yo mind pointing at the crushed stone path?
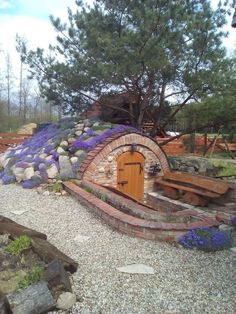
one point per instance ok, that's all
(183, 281)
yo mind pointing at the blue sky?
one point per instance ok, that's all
(40, 9)
(29, 18)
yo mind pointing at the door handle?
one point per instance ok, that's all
(122, 182)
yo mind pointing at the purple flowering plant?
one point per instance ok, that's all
(233, 222)
(8, 178)
(96, 139)
(31, 183)
(22, 164)
(47, 141)
(28, 150)
(206, 239)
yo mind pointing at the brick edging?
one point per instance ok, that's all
(133, 226)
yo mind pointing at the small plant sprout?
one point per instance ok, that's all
(19, 245)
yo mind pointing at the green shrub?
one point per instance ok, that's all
(103, 198)
(88, 189)
(55, 187)
(18, 245)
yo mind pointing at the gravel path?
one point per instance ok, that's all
(184, 281)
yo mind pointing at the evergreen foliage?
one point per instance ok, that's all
(159, 50)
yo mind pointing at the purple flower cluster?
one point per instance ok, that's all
(205, 239)
(91, 132)
(30, 149)
(22, 164)
(80, 143)
(233, 221)
(8, 178)
(47, 141)
(31, 183)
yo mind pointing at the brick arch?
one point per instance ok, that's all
(124, 142)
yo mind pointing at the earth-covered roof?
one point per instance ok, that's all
(56, 151)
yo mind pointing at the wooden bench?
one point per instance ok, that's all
(194, 189)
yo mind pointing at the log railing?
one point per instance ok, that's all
(11, 139)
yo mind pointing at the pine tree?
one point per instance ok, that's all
(163, 51)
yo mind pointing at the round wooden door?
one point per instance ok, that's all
(130, 174)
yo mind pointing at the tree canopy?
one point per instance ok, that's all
(163, 51)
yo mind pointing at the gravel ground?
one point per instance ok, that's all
(184, 281)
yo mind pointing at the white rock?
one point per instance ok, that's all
(19, 211)
(6, 161)
(46, 193)
(79, 153)
(18, 151)
(28, 173)
(233, 249)
(101, 170)
(65, 166)
(78, 133)
(64, 144)
(2, 159)
(79, 126)
(74, 160)
(61, 151)
(66, 300)
(52, 171)
(71, 140)
(110, 158)
(43, 156)
(19, 173)
(48, 157)
(226, 228)
(137, 269)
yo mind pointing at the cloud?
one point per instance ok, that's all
(5, 4)
(30, 20)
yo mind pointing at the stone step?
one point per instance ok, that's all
(134, 226)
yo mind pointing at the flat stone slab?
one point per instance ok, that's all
(80, 238)
(137, 269)
(19, 212)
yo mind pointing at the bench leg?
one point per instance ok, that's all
(194, 199)
(171, 192)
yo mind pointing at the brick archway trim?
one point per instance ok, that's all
(104, 149)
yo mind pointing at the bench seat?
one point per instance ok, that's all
(194, 189)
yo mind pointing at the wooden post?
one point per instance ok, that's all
(227, 147)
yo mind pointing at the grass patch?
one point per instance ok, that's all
(56, 187)
(18, 245)
(34, 276)
(227, 169)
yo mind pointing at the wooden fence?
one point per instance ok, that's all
(11, 139)
(181, 146)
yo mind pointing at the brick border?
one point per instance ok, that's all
(133, 226)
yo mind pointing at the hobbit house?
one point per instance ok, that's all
(116, 163)
(111, 155)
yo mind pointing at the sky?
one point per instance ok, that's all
(30, 19)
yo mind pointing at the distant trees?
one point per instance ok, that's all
(20, 103)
